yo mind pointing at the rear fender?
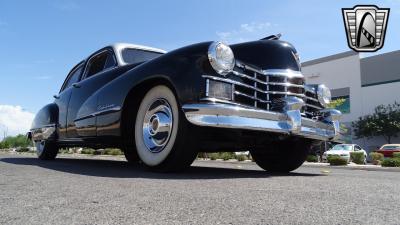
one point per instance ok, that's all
(45, 123)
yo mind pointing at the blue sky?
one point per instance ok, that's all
(40, 41)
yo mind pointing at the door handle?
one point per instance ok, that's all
(76, 85)
(56, 96)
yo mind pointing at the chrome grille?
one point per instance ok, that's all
(264, 89)
(312, 105)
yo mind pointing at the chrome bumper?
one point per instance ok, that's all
(289, 122)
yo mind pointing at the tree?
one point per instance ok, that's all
(385, 122)
(335, 103)
(14, 142)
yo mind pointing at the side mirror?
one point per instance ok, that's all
(56, 96)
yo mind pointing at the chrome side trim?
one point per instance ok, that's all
(100, 112)
(236, 117)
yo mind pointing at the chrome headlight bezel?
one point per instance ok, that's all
(324, 95)
(221, 58)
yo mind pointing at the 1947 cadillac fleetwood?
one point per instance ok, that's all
(163, 108)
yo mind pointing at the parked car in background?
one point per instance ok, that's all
(163, 107)
(344, 151)
(388, 149)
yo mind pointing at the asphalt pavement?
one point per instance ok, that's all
(89, 190)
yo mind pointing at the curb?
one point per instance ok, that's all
(319, 165)
(351, 167)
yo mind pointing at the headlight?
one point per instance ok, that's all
(324, 95)
(221, 58)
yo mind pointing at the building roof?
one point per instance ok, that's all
(329, 58)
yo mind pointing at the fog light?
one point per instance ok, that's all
(221, 90)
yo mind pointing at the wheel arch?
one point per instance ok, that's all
(134, 97)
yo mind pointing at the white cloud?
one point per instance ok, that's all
(246, 32)
(14, 120)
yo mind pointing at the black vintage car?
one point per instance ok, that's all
(163, 108)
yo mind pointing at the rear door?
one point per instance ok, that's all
(99, 70)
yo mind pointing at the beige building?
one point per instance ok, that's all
(364, 82)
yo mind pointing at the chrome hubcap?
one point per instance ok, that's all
(157, 125)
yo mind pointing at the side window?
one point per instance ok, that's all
(358, 148)
(74, 77)
(100, 62)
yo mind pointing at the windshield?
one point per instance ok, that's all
(133, 56)
(391, 147)
(342, 147)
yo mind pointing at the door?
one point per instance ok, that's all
(62, 99)
(99, 71)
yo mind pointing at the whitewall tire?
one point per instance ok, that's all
(160, 132)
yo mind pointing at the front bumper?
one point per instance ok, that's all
(289, 122)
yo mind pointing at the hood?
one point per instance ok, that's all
(267, 54)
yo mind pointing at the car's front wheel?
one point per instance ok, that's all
(282, 156)
(163, 138)
(46, 150)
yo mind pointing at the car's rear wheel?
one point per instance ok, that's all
(282, 156)
(163, 139)
(46, 150)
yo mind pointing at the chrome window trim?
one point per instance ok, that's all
(119, 47)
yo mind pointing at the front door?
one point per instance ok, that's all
(98, 72)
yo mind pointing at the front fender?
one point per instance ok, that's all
(182, 68)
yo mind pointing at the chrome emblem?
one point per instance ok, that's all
(365, 27)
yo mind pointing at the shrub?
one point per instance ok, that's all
(88, 151)
(335, 160)
(241, 157)
(357, 157)
(391, 162)
(22, 149)
(312, 158)
(112, 151)
(396, 154)
(227, 155)
(213, 156)
(376, 157)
